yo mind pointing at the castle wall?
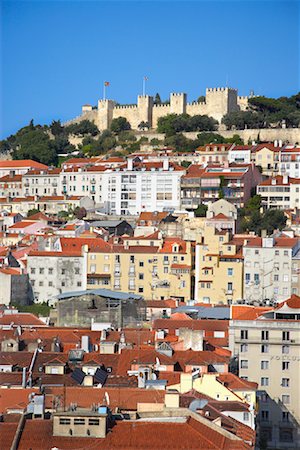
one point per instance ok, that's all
(159, 111)
(195, 109)
(220, 101)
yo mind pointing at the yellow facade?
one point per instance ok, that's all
(268, 160)
(148, 268)
(219, 269)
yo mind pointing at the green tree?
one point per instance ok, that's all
(202, 123)
(34, 143)
(143, 125)
(56, 128)
(82, 128)
(31, 212)
(120, 124)
(80, 212)
(185, 164)
(157, 99)
(201, 211)
(201, 99)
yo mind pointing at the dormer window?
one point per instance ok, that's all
(175, 248)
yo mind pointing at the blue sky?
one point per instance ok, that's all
(55, 55)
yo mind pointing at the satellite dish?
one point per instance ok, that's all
(197, 404)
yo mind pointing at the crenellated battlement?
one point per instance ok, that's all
(219, 101)
(221, 89)
(243, 97)
(124, 107)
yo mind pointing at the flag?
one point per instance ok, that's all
(145, 78)
(106, 83)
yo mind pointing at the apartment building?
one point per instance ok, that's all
(289, 162)
(213, 153)
(11, 185)
(42, 182)
(240, 154)
(218, 267)
(233, 182)
(52, 273)
(280, 192)
(84, 181)
(268, 267)
(150, 266)
(267, 348)
(267, 157)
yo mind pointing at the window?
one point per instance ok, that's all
(264, 365)
(41, 270)
(50, 271)
(141, 276)
(64, 421)
(264, 381)
(286, 253)
(285, 382)
(276, 277)
(247, 278)
(246, 416)
(264, 415)
(229, 272)
(78, 283)
(286, 435)
(285, 416)
(285, 365)
(79, 421)
(141, 263)
(106, 268)
(265, 335)
(265, 348)
(285, 349)
(141, 289)
(244, 364)
(94, 421)
(131, 259)
(256, 278)
(285, 278)
(285, 335)
(244, 348)
(285, 399)
(50, 283)
(244, 334)
(32, 270)
(63, 271)
(166, 270)
(276, 252)
(41, 283)
(93, 268)
(77, 271)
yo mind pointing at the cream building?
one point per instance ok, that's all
(218, 267)
(268, 352)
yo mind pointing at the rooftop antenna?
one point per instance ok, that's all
(226, 81)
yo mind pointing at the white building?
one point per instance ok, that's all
(280, 192)
(52, 273)
(289, 162)
(19, 167)
(240, 154)
(42, 183)
(268, 268)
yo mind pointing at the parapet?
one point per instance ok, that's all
(177, 94)
(221, 89)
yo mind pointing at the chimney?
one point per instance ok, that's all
(273, 181)
(275, 143)
(166, 163)
(280, 143)
(129, 164)
(285, 179)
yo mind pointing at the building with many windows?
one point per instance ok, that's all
(268, 267)
(267, 344)
(280, 192)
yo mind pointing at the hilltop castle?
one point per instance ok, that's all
(218, 102)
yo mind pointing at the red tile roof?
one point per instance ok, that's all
(235, 383)
(22, 163)
(12, 179)
(23, 319)
(279, 181)
(247, 312)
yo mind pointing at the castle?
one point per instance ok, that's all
(218, 102)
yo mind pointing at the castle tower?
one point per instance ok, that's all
(145, 108)
(178, 103)
(104, 114)
(221, 101)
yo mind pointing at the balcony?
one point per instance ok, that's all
(64, 181)
(54, 183)
(93, 181)
(26, 183)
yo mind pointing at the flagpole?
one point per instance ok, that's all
(104, 90)
(144, 85)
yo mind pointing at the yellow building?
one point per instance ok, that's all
(267, 157)
(218, 268)
(155, 267)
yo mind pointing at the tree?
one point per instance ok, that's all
(185, 164)
(79, 212)
(31, 212)
(143, 125)
(157, 99)
(244, 119)
(34, 144)
(209, 138)
(202, 123)
(201, 99)
(82, 128)
(56, 128)
(201, 211)
(120, 124)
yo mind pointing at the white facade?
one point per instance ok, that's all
(289, 162)
(42, 183)
(280, 193)
(55, 273)
(268, 269)
(239, 156)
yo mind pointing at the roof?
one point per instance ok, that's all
(235, 383)
(247, 312)
(10, 178)
(285, 242)
(23, 319)
(22, 163)
(134, 434)
(207, 325)
(280, 180)
(38, 216)
(101, 292)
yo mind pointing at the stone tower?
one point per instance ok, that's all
(178, 103)
(220, 101)
(105, 114)
(145, 106)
